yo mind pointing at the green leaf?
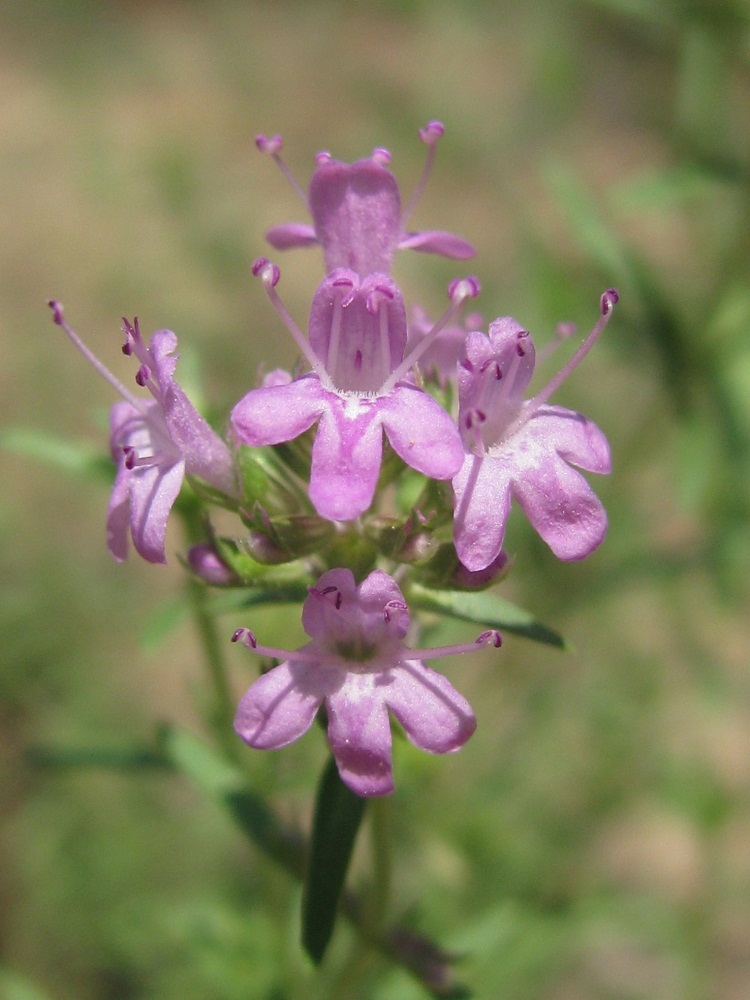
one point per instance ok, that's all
(74, 457)
(338, 814)
(226, 785)
(484, 608)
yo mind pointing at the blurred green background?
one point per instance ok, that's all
(592, 841)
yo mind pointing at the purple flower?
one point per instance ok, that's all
(358, 666)
(524, 450)
(356, 212)
(356, 390)
(154, 443)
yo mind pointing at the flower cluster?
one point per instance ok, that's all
(361, 464)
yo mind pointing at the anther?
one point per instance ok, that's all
(609, 300)
(322, 158)
(143, 375)
(272, 145)
(463, 288)
(268, 273)
(57, 311)
(432, 132)
(381, 156)
(393, 606)
(490, 636)
(375, 298)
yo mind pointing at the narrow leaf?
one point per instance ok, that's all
(338, 814)
(74, 457)
(484, 608)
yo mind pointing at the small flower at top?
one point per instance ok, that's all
(358, 388)
(358, 666)
(524, 449)
(356, 211)
(154, 443)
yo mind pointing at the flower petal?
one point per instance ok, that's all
(281, 705)
(278, 413)
(434, 715)
(118, 516)
(437, 241)
(574, 437)
(482, 505)
(346, 458)
(291, 235)
(153, 490)
(356, 209)
(421, 432)
(562, 507)
(359, 732)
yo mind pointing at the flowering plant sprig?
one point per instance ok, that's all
(364, 489)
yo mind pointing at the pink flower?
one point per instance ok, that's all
(357, 665)
(356, 211)
(357, 390)
(154, 443)
(524, 450)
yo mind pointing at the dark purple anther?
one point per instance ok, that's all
(609, 300)
(57, 311)
(490, 636)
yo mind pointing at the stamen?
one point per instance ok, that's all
(269, 274)
(608, 301)
(333, 343)
(273, 147)
(429, 136)
(59, 318)
(377, 303)
(247, 638)
(459, 290)
(491, 637)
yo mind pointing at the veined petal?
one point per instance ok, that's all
(421, 432)
(482, 505)
(437, 241)
(280, 412)
(356, 209)
(574, 437)
(118, 516)
(346, 458)
(206, 455)
(562, 507)
(433, 714)
(281, 705)
(153, 490)
(359, 732)
(291, 235)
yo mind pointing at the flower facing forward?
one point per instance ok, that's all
(357, 389)
(356, 211)
(358, 666)
(154, 443)
(524, 450)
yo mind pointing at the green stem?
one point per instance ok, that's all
(222, 709)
